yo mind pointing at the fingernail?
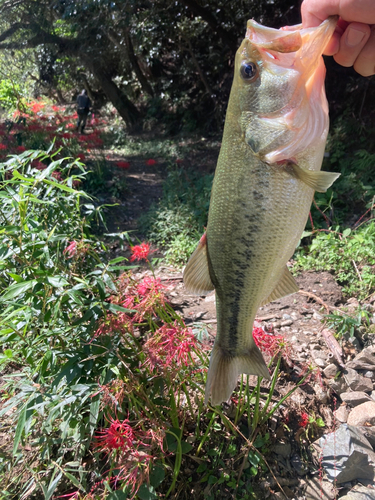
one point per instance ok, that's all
(354, 37)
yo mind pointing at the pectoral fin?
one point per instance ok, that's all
(197, 278)
(319, 181)
(286, 286)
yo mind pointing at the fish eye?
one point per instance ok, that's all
(249, 71)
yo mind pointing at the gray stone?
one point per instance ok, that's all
(369, 374)
(318, 488)
(356, 382)
(320, 362)
(372, 395)
(365, 360)
(338, 385)
(360, 492)
(321, 394)
(355, 398)
(369, 433)
(363, 414)
(341, 414)
(347, 455)
(283, 449)
(330, 371)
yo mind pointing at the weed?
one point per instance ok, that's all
(349, 254)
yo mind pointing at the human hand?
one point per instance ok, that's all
(353, 43)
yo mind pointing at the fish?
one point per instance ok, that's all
(268, 169)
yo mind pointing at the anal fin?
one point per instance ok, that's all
(286, 286)
(197, 278)
(224, 371)
(316, 179)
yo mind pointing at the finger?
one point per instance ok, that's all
(351, 43)
(333, 45)
(365, 62)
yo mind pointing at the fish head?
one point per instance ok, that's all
(278, 96)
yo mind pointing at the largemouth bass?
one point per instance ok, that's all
(268, 169)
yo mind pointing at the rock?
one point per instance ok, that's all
(369, 433)
(365, 360)
(347, 455)
(338, 385)
(360, 492)
(283, 449)
(320, 362)
(341, 414)
(369, 374)
(330, 371)
(356, 382)
(318, 354)
(355, 398)
(321, 394)
(287, 316)
(363, 414)
(318, 488)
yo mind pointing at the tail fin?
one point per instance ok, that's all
(225, 369)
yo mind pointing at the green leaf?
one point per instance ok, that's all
(19, 429)
(52, 485)
(146, 492)
(116, 308)
(16, 289)
(157, 475)
(57, 281)
(94, 413)
(186, 447)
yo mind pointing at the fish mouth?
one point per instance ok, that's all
(292, 46)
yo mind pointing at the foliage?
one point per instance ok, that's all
(350, 255)
(346, 325)
(102, 379)
(178, 221)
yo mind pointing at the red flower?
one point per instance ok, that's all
(71, 249)
(140, 252)
(150, 162)
(179, 161)
(81, 156)
(123, 164)
(171, 344)
(304, 419)
(21, 149)
(38, 165)
(3, 146)
(119, 435)
(267, 343)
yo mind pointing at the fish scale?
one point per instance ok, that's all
(268, 169)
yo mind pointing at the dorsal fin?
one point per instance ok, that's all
(197, 278)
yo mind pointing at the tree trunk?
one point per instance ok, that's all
(129, 52)
(128, 112)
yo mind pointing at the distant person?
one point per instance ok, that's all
(83, 109)
(353, 43)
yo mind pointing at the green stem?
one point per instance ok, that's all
(205, 435)
(177, 464)
(272, 388)
(256, 408)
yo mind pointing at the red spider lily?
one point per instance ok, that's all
(304, 419)
(170, 345)
(38, 165)
(55, 108)
(3, 146)
(148, 285)
(81, 156)
(179, 161)
(150, 162)
(21, 149)
(269, 344)
(123, 164)
(119, 435)
(71, 249)
(140, 252)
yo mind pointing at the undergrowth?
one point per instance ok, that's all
(349, 254)
(102, 382)
(179, 219)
